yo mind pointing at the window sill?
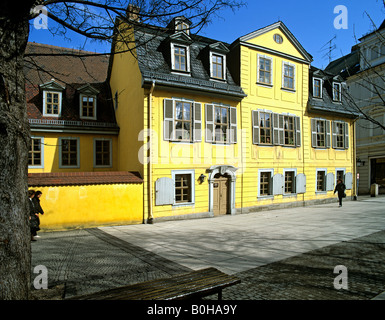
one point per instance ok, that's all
(268, 197)
(266, 85)
(289, 90)
(185, 204)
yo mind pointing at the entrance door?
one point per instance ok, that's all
(221, 187)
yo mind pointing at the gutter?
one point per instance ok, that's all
(150, 217)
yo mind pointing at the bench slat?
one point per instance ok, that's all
(194, 284)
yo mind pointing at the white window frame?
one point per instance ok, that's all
(339, 98)
(294, 170)
(271, 71)
(60, 99)
(325, 182)
(61, 166)
(271, 188)
(321, 87)
(192, 179)
(287, 63)
(110, 152)
(81, 106)
(173, 45)
(41, 166)
(339, 169)
(223, 65)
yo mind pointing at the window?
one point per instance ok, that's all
(265, 183)
(180, 58)
(320, 133)
(218, 66)
(289, 130)
(182, 26)
(221, 124)
(340, 175)
(265, 70)
(278, 38)
(321, 180)
(336, 91)
(265, 122)
(340, 135)
(103, 154)
(276, 129)
(52, 103)
(288, 75)
(182, 120)
(69, 152)
(184, 188)
(317, 88)
(88, 107)
(289, 182)
(35, 155)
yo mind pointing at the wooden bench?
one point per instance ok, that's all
(191, 285)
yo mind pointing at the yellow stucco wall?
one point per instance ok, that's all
(76, 207)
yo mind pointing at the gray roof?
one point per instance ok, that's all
(153, 54)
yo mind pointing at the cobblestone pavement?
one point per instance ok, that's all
(86, 261)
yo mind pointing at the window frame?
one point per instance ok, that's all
(291, 65)
(324, 183)
(109, 153)
(339, 98)
(45, 103)
(294, 185)
(265, 128)
(94, 107)
(33, 166)
(320, 87)
(259, 81)
(288, 131)
(223, 56)
(176, 173)
(270, 183)
(77, 165)
(173, 58)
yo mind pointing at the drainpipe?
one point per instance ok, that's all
(354, 160)
(149, 165)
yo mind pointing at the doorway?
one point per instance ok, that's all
(221, 188)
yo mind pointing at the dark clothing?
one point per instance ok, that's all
(36, 203)
(340, 188)
(34, 222)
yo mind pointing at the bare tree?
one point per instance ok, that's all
(93, 20)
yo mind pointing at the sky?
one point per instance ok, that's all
(313, 23)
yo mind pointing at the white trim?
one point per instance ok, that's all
(270, 195)
(321, 87)
(60, 99)
(192, 174)
(294, 76)
(81, 106)
(173, 45)
(271, 70)
(294, 181)
(339, 169)
(41, 166)
(339, 98)
(223, 66)
(316, 181)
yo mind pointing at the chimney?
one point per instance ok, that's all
(133, 13)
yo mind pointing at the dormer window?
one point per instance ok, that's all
(52, 98)
(180, 55)
(87, 102)
(317, 88)
(337, 92)
(182, 26)
(218, 65)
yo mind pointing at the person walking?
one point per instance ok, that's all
(340, 188)
(38, 208)
(33, 219)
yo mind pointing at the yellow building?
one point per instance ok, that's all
(73, 156)
(218, 129)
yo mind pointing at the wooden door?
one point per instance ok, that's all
(220, 196)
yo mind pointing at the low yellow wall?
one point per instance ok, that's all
(76, 207)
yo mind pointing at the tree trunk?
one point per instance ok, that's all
(15, 245)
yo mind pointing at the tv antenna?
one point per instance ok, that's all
(330, 47)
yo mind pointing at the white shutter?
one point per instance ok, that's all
(255, 118)
(164, 191)
(300, 183)
(349, 181)
(281, 130)
(233, 124)
(346, 135)
(278, 133)
(168, 123)
(298, 131)
(334, 134)
(209, 123)
(327, 137)
(330, 181)
(197, 132)
(278, 184)
(314, 133)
